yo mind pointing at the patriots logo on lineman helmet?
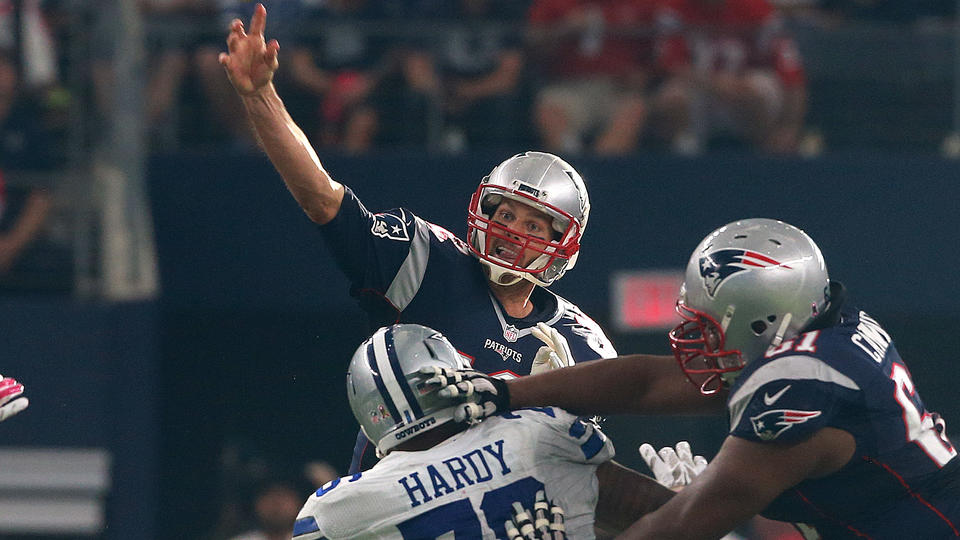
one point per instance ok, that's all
(721, 264)
(771, 424)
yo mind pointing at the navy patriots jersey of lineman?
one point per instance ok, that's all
(405, 269)
(903, 480)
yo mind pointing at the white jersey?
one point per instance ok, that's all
(464, 487)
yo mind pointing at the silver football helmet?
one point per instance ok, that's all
(387, 393)
(749, 285)
(546, 183)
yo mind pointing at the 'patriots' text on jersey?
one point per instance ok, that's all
(405, 269)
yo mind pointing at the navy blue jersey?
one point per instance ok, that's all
(406, 270)
(903, 480)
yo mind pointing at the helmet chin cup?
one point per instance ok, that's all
(499, 275)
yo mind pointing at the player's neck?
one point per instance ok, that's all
(515, 298)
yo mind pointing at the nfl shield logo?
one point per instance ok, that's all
(510, 333)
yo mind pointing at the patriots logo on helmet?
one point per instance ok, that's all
(771, 424)
(717, 266)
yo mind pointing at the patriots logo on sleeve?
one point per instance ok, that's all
(721, 264)
(391, 227)
(771, 424)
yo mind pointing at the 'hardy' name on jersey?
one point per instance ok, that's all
(451, 475)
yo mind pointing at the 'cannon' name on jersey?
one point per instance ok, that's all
(903, 479)
(466, 485)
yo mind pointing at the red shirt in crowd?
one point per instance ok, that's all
(727, 35)
(614, 37)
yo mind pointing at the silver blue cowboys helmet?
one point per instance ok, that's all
(387, 393)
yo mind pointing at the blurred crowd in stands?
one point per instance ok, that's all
(596, 77)
(607, 77)
(261, 494)
(32, 125)
(599, 77)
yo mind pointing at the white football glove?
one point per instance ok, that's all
(479, 394)
(546, 522)
(673, 468)
(554, 354)
(11, 399)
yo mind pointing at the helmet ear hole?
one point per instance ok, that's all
(760, 326)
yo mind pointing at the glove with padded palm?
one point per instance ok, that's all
(546, 522)
(673, 468)
(479, 394)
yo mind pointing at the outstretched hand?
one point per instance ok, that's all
(673, 468)
(251, 61)
(479, 395)
(12, 400)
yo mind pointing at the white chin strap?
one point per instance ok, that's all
(778, 337)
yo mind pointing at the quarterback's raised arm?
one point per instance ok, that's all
(250, 65)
